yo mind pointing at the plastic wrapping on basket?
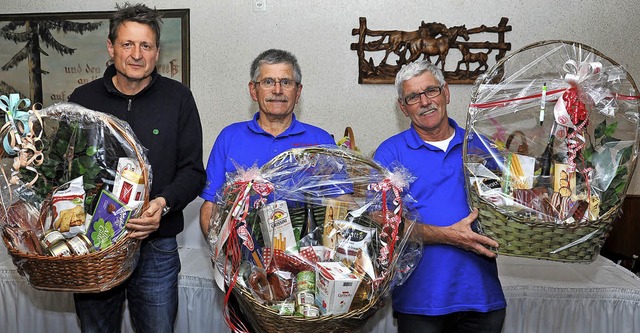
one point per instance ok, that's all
(42, 152)
(552, 140)
(261, 240)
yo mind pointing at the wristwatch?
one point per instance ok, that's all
(166, 208)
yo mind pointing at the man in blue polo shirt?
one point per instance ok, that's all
(276, 86)
(455, 287)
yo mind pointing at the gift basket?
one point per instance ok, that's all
(71, 179)
(301, 252)
(551, 145)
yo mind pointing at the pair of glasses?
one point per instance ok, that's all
(269, 83)
(430, 92)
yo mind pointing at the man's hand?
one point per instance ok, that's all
(149, 221)
(458, 234)
(207, 210)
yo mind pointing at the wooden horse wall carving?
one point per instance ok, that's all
(430, 41)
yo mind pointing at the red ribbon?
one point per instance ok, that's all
(391, 223)
(575, 108)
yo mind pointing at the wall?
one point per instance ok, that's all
(227, 34)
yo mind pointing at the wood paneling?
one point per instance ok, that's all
(624, 239)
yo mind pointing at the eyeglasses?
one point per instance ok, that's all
(269, 83)
(430, 92)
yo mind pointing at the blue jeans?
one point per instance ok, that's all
(457, 322)
(152, 293)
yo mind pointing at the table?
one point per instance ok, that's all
(542, 296)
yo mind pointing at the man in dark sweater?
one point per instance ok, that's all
(163, 115)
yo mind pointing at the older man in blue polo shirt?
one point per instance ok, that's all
(276, 86)
(455, 287)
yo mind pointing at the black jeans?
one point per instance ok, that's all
(457, 322)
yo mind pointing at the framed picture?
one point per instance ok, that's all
(45, 56)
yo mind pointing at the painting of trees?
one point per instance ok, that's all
(34, 34)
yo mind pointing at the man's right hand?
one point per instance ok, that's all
(459, 234)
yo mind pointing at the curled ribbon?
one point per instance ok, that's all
(13, 116)
(19, 139)
(576, 74)
(569, 111)
(390, 223)
(263, 189)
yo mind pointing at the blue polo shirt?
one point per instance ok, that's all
(247, 144)
(447, 279)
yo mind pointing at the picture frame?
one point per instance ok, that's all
(73, 51)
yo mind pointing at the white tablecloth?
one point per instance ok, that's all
(542, 296)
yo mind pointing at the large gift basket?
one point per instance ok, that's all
(301, 252)
(551, 145)
(71, 179)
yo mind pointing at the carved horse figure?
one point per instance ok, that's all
(398, 39)
(471, 57)
(429, 46)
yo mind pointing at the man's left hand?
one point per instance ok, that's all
(149, 220)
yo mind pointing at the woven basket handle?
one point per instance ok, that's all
(523, 148)
(348, 132)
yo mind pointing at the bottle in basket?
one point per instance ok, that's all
(309, 234)
(545, 164)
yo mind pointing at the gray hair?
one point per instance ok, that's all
(274, 56)
(135, 13)
(417, 68)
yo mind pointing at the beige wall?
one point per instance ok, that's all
(227, 34)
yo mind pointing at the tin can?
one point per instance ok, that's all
(306, 281)
(80, 244)
(309, 310)
(51, 237)
(59, 249)
(305, 297)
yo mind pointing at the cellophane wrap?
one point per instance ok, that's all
(552, 138)
(362, 225)
(44, 150)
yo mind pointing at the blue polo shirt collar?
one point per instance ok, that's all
(295, 127)
(414, 141)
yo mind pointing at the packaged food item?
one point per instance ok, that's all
(352, 246)
(564, 181)
(51, 237)
(305, 297)
(284, 308)
(276, 227)
(80, 244)
(521, 169)
(128, 185)
(67, 204)
(108, 222)
(337, 286)
(336, 210)
(309, 310)
(60, 249)
(306, 281)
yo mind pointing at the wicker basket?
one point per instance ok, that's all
(94, 272)
(508, 99)
(530, 238)
(265, 319)
(91, 273)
